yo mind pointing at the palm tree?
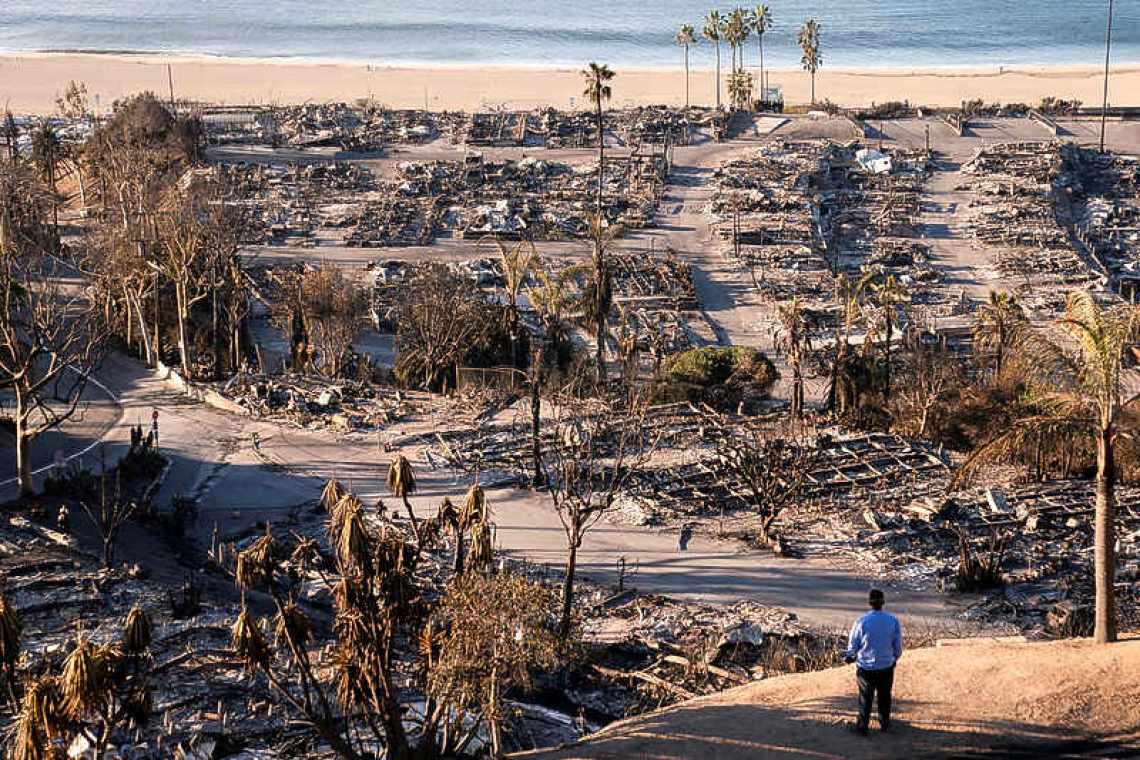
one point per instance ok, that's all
(761, 23)
(401, 482)
(996, 325)
(808, 40)
(711, 31)
(599, 296)
(793, 339)
(740, 90)
(738, 23)
(848, 295)
(1086, 400)
(888, 296)
(597, 89)
(46, 149)
(553, 299)
(686, 37)
(515, 263)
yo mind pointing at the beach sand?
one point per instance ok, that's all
(29, 83)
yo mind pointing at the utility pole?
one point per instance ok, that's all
(170, 81)
(1107, 54)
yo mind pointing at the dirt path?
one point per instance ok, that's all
(988, 699)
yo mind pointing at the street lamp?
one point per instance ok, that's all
(1107, 52)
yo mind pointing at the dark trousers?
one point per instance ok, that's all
(870, 683)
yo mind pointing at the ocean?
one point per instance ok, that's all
(854, 33)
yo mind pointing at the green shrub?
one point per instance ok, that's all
(712, 365)
(722, 377)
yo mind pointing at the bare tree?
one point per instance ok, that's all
(441, 318)
(929, 373)
(112, 514)
(599, 444)
(50, 342)
(772, 468)
(335, 313)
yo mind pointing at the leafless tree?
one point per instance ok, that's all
(600, 443)
(442, 316)
(50, 341)
(113, 512)
(197, 245)
(928, 374)
(772, 468)
(336, 311)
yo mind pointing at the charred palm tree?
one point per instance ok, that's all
(889, 297)
(401, 482)
(553, 299)
(997, 323)
(793, 340)
(599, 295)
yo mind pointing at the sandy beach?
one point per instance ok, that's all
(29, 83)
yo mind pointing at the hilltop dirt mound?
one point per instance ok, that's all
(986, 699)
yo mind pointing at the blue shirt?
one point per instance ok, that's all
(875, 641)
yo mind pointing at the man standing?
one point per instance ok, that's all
(875, 645)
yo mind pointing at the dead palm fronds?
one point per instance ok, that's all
(352, 545)
(482, 547)
(401, 482)
(338, 515)
(138, 705)
(137, 632)
(291, 627)
(85, 680)
(474, 508)
(249, 642)
(333, 492)
(255, 565)
(40, 723)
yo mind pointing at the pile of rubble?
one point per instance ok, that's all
(1107, 212)
(1045, 532)
(360, 128)
(668, 651)
(676, 493)
(292, 200)
(317, 402)
(1021, 209)
(796, 214)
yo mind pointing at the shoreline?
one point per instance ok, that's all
(163, 57)
(29, 82)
